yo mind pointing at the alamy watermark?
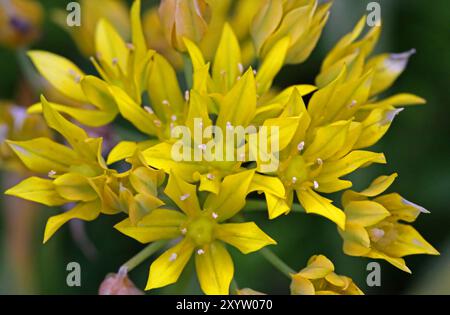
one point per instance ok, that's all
(74, 16)
(374, 17)
(234, 143)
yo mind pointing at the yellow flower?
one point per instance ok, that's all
(114, 11)
(371, 74)
(199, 231)
(16, 124)
(374, 225)
(319, 278)
(20, 22)
(314, 159)
(302, 21)
(78, 174)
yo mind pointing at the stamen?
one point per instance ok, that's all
(229, 126)
(184, 197)
(352, 104)
(210, 176)
(316, 184)
(202, 147)
(214, 215)
(173, 257)
(130, 46)
(255, 72)
(294, 180)
(165, 102)
(51, 173)
(376, 234)
(157, 123)
(301, 146)
(319, 161)
(183, 231)
(241, 67)
(187, 96)
(149, 110)
(115, 61)
(200, 252)
(174, 118)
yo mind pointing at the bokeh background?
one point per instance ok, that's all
(417, 147)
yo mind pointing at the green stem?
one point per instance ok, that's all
(260, 205)
(143, 255)
(188, 71)
(277, 262)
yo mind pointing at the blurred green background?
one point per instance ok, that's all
(417, 147)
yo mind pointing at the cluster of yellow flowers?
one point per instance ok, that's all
(199, 206)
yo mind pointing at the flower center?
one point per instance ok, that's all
(200, 230)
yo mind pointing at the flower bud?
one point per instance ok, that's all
(118, 284)
(184, 18)
(20, 22)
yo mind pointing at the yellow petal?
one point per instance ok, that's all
(328, 140)
(266, 22)
(163, 87)
(239, 105)
(62, 74)
(160, 224)
(145, 180)
(400, 207)
(166, 269)
(215, 269)
(160, 157)
(232, 195)
(356, 240)
(121, 151)
(43, 155)
(226, 62)
(137, 33)
(75, 187)
(402, 99)
(318, 267)
(98, 94)
(84, 211)
(408, 242)
(314, 203)
(301, 286)
(267, 184)
(110, 47)
(88, 117)
(349, 163)
(38, 190)
(183, 194)
(365, 213)
(247, 237)
(276, 206)
(388, 67)
(134, 113)
(379, 185)
(75, 135)
(271, 65)
(375, 126)
(395, 261)
(287, 128)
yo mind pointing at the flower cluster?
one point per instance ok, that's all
(198, 207)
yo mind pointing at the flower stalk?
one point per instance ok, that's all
(140, 257)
